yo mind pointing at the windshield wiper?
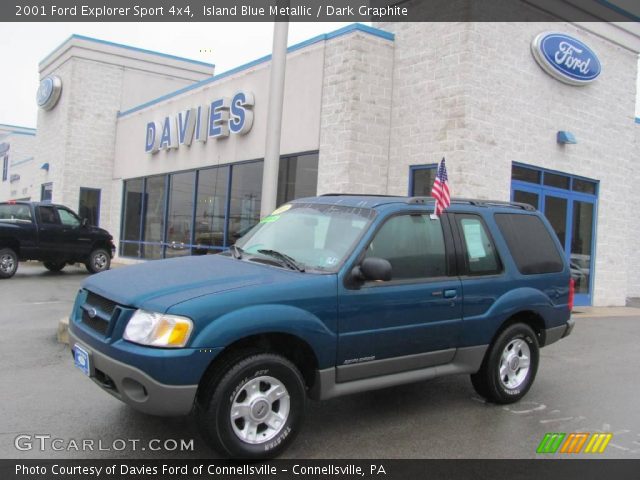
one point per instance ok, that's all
(284, 258)
(236, 252)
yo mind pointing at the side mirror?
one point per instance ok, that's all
(85, 222)
(373, 269)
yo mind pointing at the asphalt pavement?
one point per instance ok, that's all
(586, 383)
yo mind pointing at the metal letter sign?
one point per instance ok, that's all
(218, 119)
(566, 58)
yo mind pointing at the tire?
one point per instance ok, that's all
(54, 266)
(99, 261)
(254, 408)
(8, 263)
(503, 377)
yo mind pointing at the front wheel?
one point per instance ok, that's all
(256, 408)
(510, 366)
(8, 263)
(99, 261)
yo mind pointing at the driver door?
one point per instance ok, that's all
(413, 320)
(76, 243)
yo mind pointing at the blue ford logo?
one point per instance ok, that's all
(566, 58)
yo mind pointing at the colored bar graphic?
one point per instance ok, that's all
(550, 442)
(573, 442)
(598, 443)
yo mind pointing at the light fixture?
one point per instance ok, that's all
(44, 166)
(564, 138)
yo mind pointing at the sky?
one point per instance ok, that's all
(227, 45)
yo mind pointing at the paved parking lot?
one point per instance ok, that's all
(586, 383)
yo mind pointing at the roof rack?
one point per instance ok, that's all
(474, 202)
(358, 195)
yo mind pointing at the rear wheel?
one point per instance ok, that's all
(8, 263)
(99, 261)
(54, 266)
(510, 366)
(255, 409)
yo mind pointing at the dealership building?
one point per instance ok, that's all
(168, 156)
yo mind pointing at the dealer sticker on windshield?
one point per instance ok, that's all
(81, 357)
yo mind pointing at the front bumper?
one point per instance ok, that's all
(134, 387)
(554, 334)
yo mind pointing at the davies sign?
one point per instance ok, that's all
(218, 119)
(566, 58)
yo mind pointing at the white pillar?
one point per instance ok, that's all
(274, 119)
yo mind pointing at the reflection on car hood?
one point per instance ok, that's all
(159, 284)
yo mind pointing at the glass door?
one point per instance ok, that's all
(569, 203)
(581, 248)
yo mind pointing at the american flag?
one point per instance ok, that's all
(440, 190)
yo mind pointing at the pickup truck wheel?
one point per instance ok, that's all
(8, 263)
(54, 266)
(256, 408)
(510, 366)
(99, 261)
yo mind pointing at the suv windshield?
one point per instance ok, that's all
(316, 236)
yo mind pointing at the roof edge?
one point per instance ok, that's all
(124, 46)
(376, 32)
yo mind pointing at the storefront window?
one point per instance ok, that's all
(154, 216)
(297, 177)
(180, 214)
(246, 188)
(160, 223)
(131, 217)
(555, 180)
(211, 209)
(525, 174)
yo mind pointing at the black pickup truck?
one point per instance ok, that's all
(52, 234)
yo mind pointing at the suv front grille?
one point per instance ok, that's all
(97, 313)
(96, 323)
(101, 303)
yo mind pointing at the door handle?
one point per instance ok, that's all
(450, 293)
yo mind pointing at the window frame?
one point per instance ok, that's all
(449, 249)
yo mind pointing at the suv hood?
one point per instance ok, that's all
(159, 284)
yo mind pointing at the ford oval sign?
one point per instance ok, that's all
(566, 58)
(49, 92)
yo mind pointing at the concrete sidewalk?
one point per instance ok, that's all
(606, 312)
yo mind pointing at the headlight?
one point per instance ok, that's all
(158, 330)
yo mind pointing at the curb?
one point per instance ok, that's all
(63, 331)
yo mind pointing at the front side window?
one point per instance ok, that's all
(413, 245)
(316, 236)
(68, 219)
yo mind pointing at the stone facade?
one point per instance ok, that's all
(356, 114)
(462, 92)
(78, 136)
(21, 163)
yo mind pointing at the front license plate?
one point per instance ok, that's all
(81, 357)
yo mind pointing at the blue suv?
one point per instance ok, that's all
(325, 297)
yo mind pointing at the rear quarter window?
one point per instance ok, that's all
(530, 243)
(15, 212)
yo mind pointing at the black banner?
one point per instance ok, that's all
(320, 469)
(317, 10)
